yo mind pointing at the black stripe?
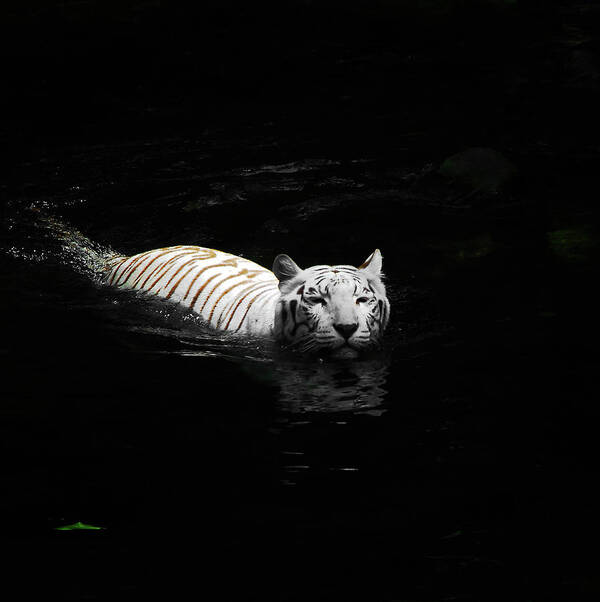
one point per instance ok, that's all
(293, 308)
(346, 270)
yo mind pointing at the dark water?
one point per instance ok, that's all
(457, 464)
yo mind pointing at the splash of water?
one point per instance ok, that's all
(44, 232)
(85, 256)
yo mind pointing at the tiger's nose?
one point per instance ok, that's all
(346, 330)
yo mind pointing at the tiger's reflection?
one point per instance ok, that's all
(331, 386)
(313, 385)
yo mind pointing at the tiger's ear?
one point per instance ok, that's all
(372, 265)
(285, 268)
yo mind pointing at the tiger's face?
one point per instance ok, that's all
(339, 309)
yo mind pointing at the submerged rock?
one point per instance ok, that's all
(481, 169)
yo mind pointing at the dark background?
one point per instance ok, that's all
(316, 129)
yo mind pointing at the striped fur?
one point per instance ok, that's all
(231, 293)
(322, 308)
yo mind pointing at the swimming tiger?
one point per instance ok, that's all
(341, 309)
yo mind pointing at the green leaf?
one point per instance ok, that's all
(452, 535)
(573, 244)
(78, 526)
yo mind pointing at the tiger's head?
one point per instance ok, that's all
(339, 309)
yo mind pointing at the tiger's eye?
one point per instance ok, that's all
(362, 299)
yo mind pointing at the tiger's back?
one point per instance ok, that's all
(229, 292)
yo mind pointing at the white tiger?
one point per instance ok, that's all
(322, 308)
